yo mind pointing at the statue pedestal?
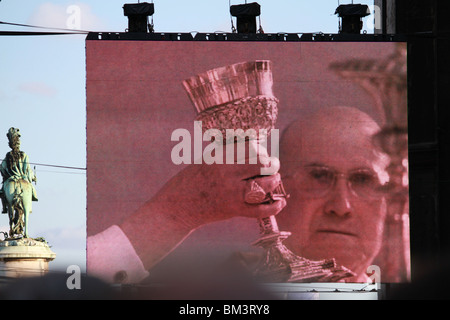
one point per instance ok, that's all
(24, 258)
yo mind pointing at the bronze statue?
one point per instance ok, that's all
(17, 191)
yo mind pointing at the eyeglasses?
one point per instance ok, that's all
(317, 181)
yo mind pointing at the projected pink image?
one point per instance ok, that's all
(319, 193)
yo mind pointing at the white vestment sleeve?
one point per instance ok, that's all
(112, 258)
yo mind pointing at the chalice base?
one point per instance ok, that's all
(279, 264)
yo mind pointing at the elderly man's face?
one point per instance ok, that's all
(332, 172)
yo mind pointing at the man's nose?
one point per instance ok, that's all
(338, 201)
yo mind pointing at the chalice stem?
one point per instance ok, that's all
(268, 225)
(279, 264)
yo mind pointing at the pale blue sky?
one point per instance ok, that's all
(42, 91)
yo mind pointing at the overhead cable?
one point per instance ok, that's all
(41, 27)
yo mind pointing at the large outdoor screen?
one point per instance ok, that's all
(333, 207)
